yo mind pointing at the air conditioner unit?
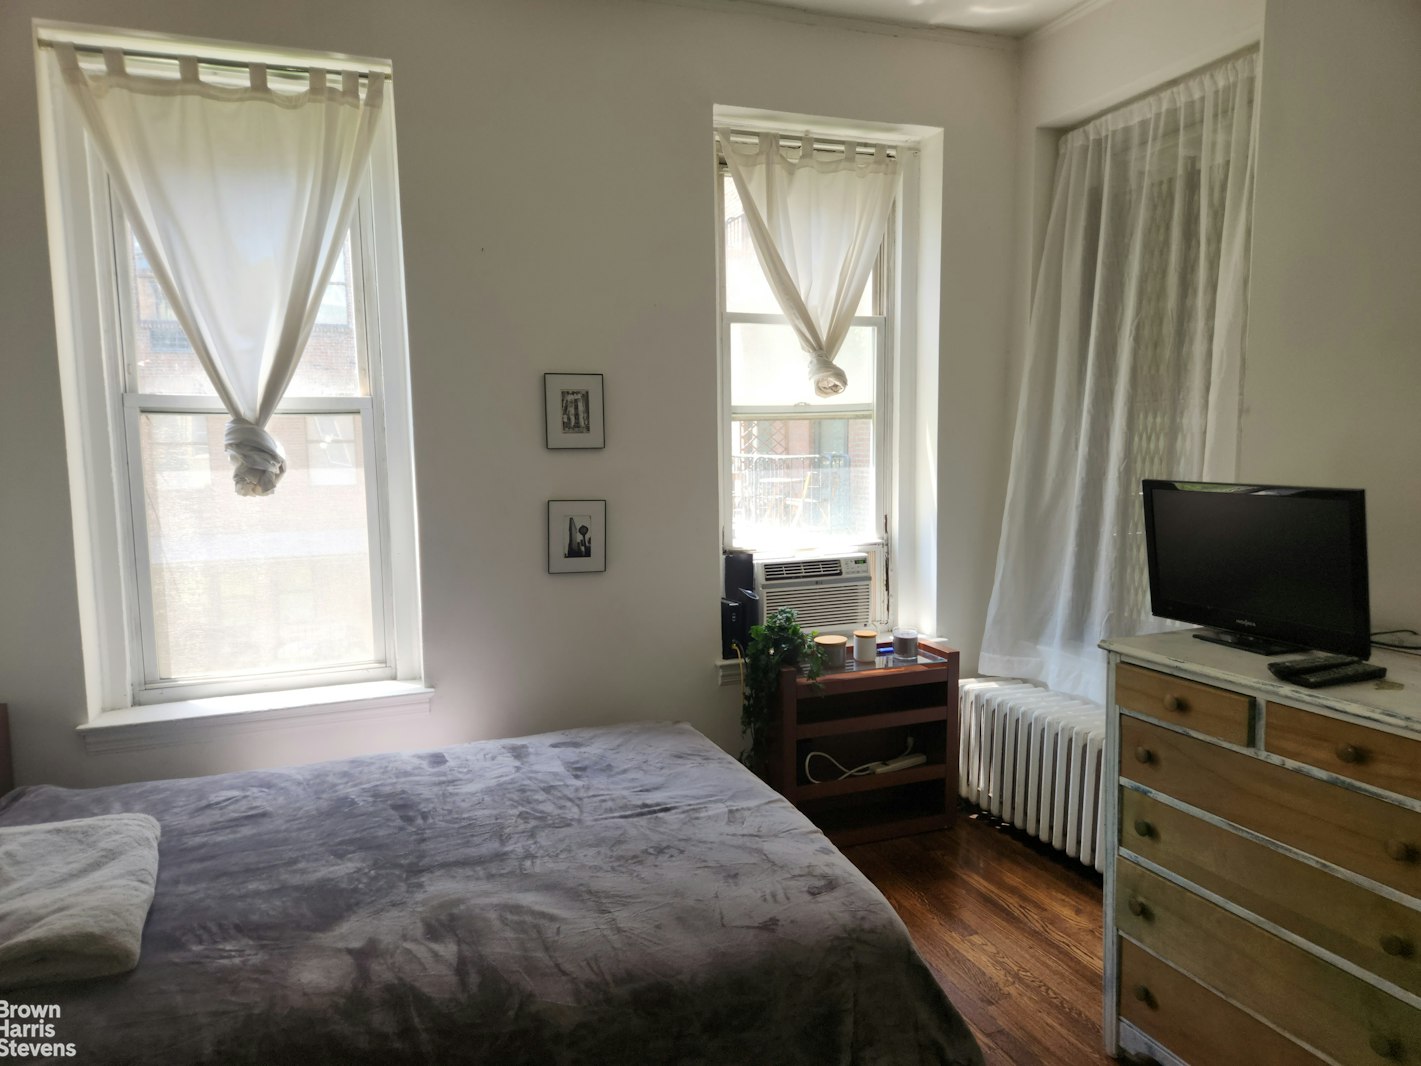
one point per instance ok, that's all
(829, 593)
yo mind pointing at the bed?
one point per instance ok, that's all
(627, 894)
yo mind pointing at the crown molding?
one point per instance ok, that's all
(881, 27)
(1064, 19)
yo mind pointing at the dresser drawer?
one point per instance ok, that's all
(1374, 932)
(1370, 836)
(1193, 1022)
(1188, 704)
(1305, 997)
(1343, 748)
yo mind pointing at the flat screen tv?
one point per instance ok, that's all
(1269, 568)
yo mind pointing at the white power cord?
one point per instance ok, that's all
(857, 771)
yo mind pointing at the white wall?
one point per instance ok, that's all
(1333, 374)
(1332, 390)
(531, 245)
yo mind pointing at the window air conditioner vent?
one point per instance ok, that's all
(798, 568)
(843, 605)
(829, 593)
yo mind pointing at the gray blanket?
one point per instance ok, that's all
(620, 895)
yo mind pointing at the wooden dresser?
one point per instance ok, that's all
(1263, 866)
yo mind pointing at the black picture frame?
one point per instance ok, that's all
(577, 536)
(574, 411)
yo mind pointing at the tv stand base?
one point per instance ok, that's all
(1247, 642)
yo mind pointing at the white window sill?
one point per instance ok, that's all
(190, 721)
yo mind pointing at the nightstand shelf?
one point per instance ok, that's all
(892, 812)
(864, 713)
(860, 723)
(869, 782)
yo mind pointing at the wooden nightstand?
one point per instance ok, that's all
(863, 713)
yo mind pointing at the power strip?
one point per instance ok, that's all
(903, 762)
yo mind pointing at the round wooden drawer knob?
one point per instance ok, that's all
(1143, 828)
(1400, 850)
(1349, 753)
(1138, 908)
(1144, 755)
(1174, 703)
(1396, 945)
(1385, 1046)
(1142, 993)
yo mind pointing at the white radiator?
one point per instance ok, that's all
(1032, 757)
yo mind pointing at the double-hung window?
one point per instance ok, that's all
(197, 591)
(799, 471)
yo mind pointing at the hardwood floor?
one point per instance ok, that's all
(1011, 929)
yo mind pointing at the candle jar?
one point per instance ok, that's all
(905, 644)
(833, 647)
(865, 645)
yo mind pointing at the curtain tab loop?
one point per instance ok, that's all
(317, 82)
(350, 85)
(113, 63)
(374, 89)
(257, 74)
(187, 69)
(68, 59)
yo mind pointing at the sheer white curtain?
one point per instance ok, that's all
(1133, 368)
(816, 220)
(241, 197)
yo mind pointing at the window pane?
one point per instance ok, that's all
(167, 366)
(330, 448)
(768, 368)
(745, 286)
(180, 452)
(247, 585)
(802, 480)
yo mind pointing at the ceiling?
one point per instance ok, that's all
(1014, 18)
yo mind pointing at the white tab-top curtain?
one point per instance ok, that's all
(241, 197)
(816, 220)
(1133, 368)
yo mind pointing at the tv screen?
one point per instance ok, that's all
(1284, 566)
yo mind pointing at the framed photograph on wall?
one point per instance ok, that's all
(577, 536)
(574, 411)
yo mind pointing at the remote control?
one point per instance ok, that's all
(1292, 669)
(1340, 675)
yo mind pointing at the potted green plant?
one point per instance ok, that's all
(776, 644)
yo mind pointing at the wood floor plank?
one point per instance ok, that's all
(1011, 929)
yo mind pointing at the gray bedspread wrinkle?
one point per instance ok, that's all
(627, 894)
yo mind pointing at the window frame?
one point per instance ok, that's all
(93, 307)
(887, 302)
